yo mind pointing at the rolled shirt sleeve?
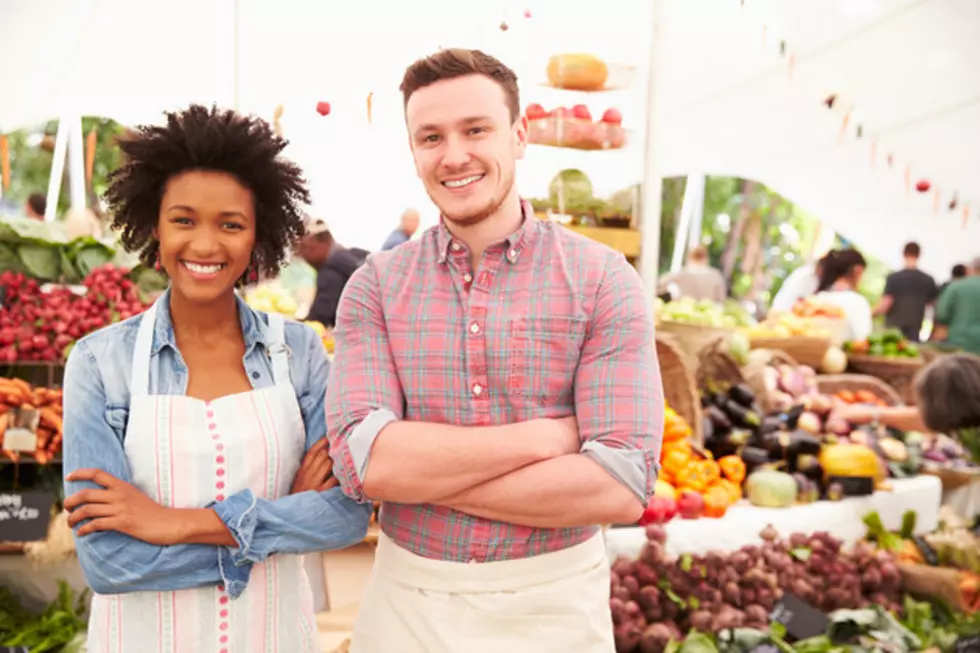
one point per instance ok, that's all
(364, 394)
(619, 401)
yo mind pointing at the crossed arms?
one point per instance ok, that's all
(598, 468)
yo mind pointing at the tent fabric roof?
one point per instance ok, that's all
(905, 68)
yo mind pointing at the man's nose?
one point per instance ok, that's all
(456, 155)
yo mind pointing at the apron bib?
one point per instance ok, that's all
(185, 453)
(551, 603)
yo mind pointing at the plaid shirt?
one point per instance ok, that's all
(551, 324)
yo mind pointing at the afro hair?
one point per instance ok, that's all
(218, 140)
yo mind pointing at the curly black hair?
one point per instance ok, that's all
(221, 140)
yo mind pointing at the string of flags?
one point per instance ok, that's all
(850, 128)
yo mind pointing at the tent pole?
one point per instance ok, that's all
(650, 201)
(76, 164)
(57, 169)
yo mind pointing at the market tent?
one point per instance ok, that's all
(730, 104)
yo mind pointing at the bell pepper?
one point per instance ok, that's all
(733, 468)
(675, 461)
(711, 470)
(716, 502)
(692, 477)
(675, 427)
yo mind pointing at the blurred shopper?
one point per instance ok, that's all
(334, 265)
(35, 206)
(801, 282)
(841, 275)
(959, 311)
(959, 271)
(907, 293)
(407, 227)
(698, 280)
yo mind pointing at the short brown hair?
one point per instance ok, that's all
(911, 250)
(459, 62)
(948, 391)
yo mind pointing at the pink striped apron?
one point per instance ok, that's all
(184, 453)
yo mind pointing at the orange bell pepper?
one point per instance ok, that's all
(675, 462)
(715, 503)
(711, 471)
(675, 427)
(692, 477)
(733, 468)
(732, 490)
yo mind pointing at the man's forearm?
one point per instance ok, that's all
(419, 462)
(571, 490)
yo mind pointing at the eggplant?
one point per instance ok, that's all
(742, 416)
(808, 466)
(771, 423)
(729, 443)
(801, 442)
(718, 417)
(773, 443)
(742, 394)
(719, 400)
(708, 428)
(792, 416)
(753, 457)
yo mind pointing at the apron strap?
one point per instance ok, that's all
(278, 351)
(139, 384)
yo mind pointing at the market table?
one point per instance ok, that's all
(743, 521)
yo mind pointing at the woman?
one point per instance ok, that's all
(186, 426)
(839, 279)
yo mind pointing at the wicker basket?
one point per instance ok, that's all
(692, 338)
(833, 383)
(754, 372)
(899, 373)
(717, 365)
(806, 350)
(680, 388)
(952, 479)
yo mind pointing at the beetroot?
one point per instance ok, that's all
(655, 638)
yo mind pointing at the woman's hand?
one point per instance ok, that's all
(316, 472)
(121, 507)
(858, 413)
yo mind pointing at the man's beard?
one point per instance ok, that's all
(474, 217)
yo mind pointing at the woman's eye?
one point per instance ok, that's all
(183, 220)
(234, 226)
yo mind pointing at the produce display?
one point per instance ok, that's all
(575, 127)
(577, 72)
(887, 344)
(16, 394)
(704, 312)
(941, 451)
(813, 307)
(657, 598)
(59, 628)
(42, 324)
(788, 325)
(268, 298)
(44, 252)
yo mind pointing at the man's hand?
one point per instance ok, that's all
(316, 472)
(123, 508)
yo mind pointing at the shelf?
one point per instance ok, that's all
(626, 241)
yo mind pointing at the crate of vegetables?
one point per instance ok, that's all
(17, 396)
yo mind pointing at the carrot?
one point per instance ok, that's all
(51, 420)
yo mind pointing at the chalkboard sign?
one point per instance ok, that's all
(14, 649)
(24, 516)
(800, 619)
(967, 644)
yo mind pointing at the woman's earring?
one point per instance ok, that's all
(157, 266)
(253, 273)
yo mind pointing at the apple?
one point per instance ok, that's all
(535, 112)
(582, 112)
(613, 117)
(690, 505)
(659, 510)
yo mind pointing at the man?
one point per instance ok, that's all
(496, 387)
(959, 311)
(35, 206)
(958, 271)
(406, 229)
(334, 265)
(698, 279)
(799, 284)
(907, 293)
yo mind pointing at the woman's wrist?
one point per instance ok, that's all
(201, 526)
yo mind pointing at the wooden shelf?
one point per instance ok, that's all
(626, 241)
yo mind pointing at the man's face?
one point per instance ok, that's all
(465, 146)
(313, 250)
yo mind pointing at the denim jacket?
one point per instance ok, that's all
(96, 409)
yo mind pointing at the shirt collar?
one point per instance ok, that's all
(254, 328)
(515, 244)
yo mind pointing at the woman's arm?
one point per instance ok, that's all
(304, 522)
(903, 418)
(115, 563)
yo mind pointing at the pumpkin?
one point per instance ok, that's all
(578, 72)
(851, 460)
(769, 488)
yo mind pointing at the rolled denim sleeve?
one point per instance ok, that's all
(114, 563)
(619, 400)
(364, 394)
(304, 522)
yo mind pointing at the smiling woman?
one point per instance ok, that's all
(193, 433)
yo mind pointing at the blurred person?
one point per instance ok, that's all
(841, 275)
(958, 312)
(698, 280)
(407, 227)
(334, 265)
(35, 206)
(907, 293)
(800, 283)
(959, 271)
(496, 387)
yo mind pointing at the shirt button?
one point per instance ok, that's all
(512, 256)
(474, 328)
(456, 247)
(468, 278)
(477, 389)
(255, 375)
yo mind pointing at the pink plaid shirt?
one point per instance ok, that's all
(551, 324)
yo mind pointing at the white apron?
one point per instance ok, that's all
(185, 453)
(551, 603)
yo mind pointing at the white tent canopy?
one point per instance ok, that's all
(730, 105)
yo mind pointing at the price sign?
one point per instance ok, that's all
(967, 644)
(21, 434)
(800, 619)
(24, 516)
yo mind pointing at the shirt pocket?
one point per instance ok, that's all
(543, 354)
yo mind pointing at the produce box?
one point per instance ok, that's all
(940, 583)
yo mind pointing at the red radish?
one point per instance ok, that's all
(923, 186)
(582, 112)
(535, 112)
(613, 117)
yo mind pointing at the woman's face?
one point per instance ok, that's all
(856, 273)
(206, 231)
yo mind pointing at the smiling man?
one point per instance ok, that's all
(496, 387)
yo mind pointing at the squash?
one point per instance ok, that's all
(851, 460)
(578, 72)
(769, 488)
